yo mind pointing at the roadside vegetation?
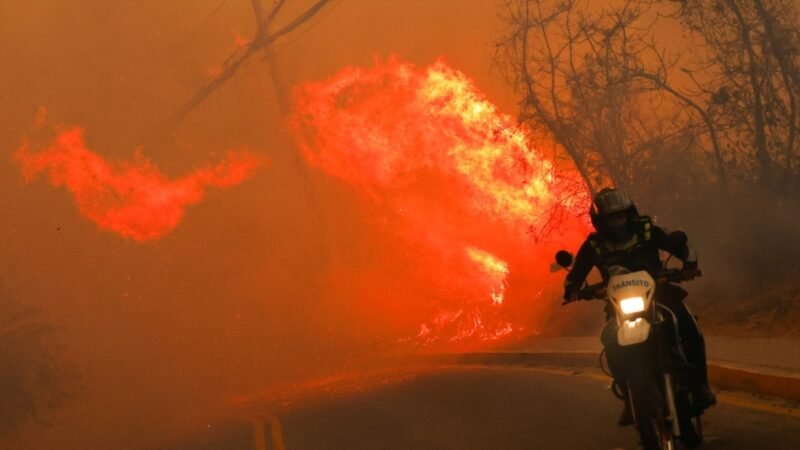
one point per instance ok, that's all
(691, 106)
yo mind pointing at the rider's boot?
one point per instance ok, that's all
(695, 352)
(705, 397)
(694, 349)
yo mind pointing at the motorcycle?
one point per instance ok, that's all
(655, 376)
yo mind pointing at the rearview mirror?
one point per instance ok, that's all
(564, 258)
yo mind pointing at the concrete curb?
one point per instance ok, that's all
(767, 381)
(758, 380)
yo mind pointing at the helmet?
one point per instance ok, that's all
(611, 201)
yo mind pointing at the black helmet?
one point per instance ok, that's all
(611, 201)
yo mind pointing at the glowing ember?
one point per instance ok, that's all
(444, 175)
(460, 325)
(132, 199)
(241, 41)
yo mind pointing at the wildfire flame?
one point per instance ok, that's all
(494, 269)
(446, 174)
(460, 325)
(133, 199)
(381, 127)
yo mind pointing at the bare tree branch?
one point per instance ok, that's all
(760, 142)
(270, 57)
(789, 76)
(701, 112)
(234, 62)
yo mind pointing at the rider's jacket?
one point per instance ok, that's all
(640, 252)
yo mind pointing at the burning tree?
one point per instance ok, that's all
(456, 186)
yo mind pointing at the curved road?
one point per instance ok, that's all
(488, 409)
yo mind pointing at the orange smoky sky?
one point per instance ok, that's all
(289, 271)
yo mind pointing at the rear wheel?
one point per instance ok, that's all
(692, 431)
(691, 422)
(697, 428)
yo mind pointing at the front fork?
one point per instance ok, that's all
(670, 399)
(665, 362)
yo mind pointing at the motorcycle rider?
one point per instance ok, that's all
(625, 238)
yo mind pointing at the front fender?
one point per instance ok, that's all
(631, 332)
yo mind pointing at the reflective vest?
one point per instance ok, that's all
(636, 253)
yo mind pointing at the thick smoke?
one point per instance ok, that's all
(290, 274)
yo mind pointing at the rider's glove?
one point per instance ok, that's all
(570, 294)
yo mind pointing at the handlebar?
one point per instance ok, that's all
(597, 291)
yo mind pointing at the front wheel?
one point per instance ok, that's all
(655, 435)
(649, 412)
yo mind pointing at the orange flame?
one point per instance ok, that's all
(380, 126)
(456, 185)
(494, 269)
(133, 199)
(460, 325)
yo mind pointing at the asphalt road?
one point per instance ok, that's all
(482, 408)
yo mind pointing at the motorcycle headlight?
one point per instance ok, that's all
(631, 305)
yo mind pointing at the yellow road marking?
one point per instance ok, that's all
(277, 433)
(259, 434)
